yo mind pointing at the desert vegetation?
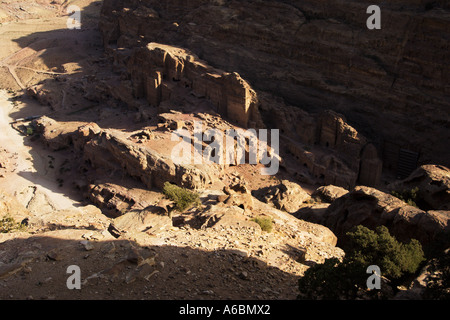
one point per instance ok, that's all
(9, 224)
(182, 197)
(346, 279)
(265, 223)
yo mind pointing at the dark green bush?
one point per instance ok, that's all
(409, 196)
(182, 197)
(380, 248)
(438, 286)
(332, 280)
(343, 280)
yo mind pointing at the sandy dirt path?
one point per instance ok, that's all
(29, 164)
(25, 57)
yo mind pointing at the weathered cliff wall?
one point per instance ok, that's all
(318, 55)
(156, 68)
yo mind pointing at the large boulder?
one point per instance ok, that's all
(329, 193)
(142, 221)
(237, 194)
(287, 196)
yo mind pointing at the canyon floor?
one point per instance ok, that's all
(234, 259)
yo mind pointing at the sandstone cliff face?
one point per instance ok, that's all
(164, 73)
(157, 69)
(317, 55)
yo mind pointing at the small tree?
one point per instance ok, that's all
(183, 198)
(343, 280)
(332, 280)
(381, 249)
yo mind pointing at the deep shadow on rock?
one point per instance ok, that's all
(35, 267)
(371, 208)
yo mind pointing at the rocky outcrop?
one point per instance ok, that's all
(287, 196)
(111, 151)
(325, 144)
(329, 193)
(83, 217)
(170, 77)
(157, 70)
(238, 194)
(432, 183)
(55, 135)
(134, 222)
(317, 55)
(11, 207)
(164, 72)
(371, 208)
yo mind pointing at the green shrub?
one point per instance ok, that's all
(380, 248)
(8, 224)
(344, 280)
(183, 198)
(30, 131)
(332, 280)
(265, 223)
(408, 196)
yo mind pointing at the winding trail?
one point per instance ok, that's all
(28, 161)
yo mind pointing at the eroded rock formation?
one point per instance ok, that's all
(329, 193)
(317, 55)
(432, 184)
(168, 51)
(287, 196)
(371, 208)
(112, 151)
(157, 69)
